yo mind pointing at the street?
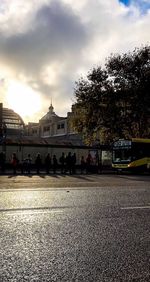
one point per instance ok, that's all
(75, 228)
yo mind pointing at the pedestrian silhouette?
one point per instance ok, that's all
(2, 161)
(28, 162)
(48, 163)
(38, 163)
(82, 164)
(55, 164)
(88, 163)
(62, 161)
(69, 163)
(74, 159)
(14, 162)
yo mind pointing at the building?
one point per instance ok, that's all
(50, 125)
(10, 123)
(52, 134)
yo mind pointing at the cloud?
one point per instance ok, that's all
(48, 44)
(55, 38)
(56, 33)
(143, 5)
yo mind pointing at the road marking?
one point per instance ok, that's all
(34, 210)
(136, 207)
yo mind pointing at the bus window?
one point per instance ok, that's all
(122, 155)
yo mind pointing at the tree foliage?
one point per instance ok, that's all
(114, 101)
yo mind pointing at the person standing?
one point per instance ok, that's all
(48, 163)
(38, 163)
(55, 164)
(2, 161)
(62, 161)
(28, 163)
(69, 163)
(14, 162)
(88, 163)
(74, 159)
(82, 164)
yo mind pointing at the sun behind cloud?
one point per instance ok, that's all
(22, 99)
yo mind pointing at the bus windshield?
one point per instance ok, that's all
(122, 155)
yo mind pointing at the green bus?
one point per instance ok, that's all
(133, 155)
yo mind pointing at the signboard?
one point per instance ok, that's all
(122, 143)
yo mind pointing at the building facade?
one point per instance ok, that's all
(52, 134)
(50, 125)
(10, 123)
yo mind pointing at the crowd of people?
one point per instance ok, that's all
(50, 164)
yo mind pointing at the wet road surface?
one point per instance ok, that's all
(75, 228)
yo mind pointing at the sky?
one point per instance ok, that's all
(47, 45)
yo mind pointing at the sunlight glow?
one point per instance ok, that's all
(22, 99)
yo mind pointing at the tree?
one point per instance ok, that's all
(114, 102)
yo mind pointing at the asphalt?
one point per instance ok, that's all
(86, 228)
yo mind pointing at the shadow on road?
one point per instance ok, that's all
(133, 177)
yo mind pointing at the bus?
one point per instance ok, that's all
(131, 155)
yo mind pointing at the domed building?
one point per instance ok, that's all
(10, 122)
(49, 125)
(52, 125)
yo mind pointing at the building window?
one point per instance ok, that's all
(60, 126)
(46, 128)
